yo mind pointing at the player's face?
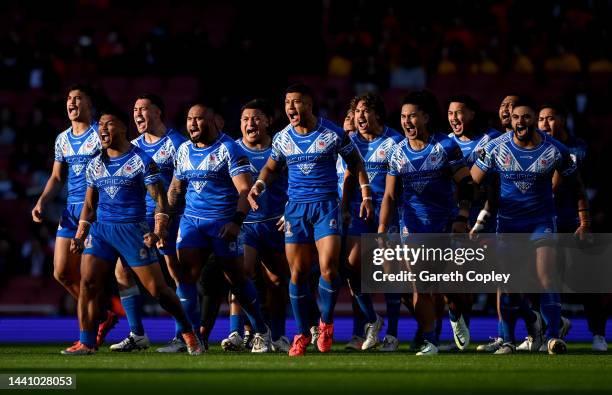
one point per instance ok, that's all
(349, 121)
(413, 120)
(550, 122)
(111, 131)
(146, 115)
(198, 123)
(365, 118)
(78, 105)
(254, 125)
(298, 107)
(459, 117)
(523, 122)
(505, 110)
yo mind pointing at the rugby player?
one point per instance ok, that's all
(212, 175)
(427, 164)
(309, 146)
(375, 143)
(526, 206)
(74, 148)
(263, 242)
(161, 144)
(113, 225)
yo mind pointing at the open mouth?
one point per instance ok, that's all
(73, 110)
(457, 126)
(105, 138)
(362, 124)
(140, 121)
(293, 116)
(254, 132)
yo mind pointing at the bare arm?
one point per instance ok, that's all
(156, 191)
(354, 165)
(268, 174)
(88, 216)
(53, 186)
(176, 195)
(388, 204)
(230, 230)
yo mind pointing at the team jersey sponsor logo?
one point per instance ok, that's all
(333, 224)
(288, 231)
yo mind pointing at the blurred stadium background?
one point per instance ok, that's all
(229, 52)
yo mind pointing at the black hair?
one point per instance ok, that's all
(110, 109)
(305, 90)
(559, 109)
(478, 123)
(426, 102)
(84, 88)
(155, 100)
(261, 105)
(525, 101)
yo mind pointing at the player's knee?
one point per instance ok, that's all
(63, 277)
(89, 287)
(329, 273)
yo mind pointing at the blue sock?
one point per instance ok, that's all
(328, 292)
(236, 324)
(88, 338)
(394, 303)
(500, 329)
(550, 306)
(247, 297)
(525, 311)
(277, 327)
(430, 337)
(366, 306)
(300, 298)
(358, 320)
(509, 306)
(188, 295)
(131, 300)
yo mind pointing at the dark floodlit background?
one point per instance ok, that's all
(228, 52)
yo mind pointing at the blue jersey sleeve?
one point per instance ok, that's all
(181, 159)
(58, 150)
(454, 155)
(151, 171)
(564, 164)
(395, 165)
(89, 173)
(486, 159)
(238, 162)
(277, 151)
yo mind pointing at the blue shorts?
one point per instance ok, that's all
(170, 248)
(69, 221)
(204, 233)
(409, 227)
(539, 228)
(357, 226)
(309, 222)
(264, 235)
(109, 241)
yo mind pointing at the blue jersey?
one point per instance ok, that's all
(76, 152)
(121, 184)
(311, 160)
(566, 204)
(472, 149)
(376, 155)
(208, 171)
(163, 152)
(526, 175)
(272, 201)
(427, 179)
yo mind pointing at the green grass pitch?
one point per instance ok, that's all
(342, 373)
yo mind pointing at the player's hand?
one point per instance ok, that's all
(476, 229)
(150, 239)
(77, 246)
(382, 240)
(229, 231)
(584, 234)
(37, 213)
(281, 224)
(366, 210)
(161, 242)
(254, 193)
